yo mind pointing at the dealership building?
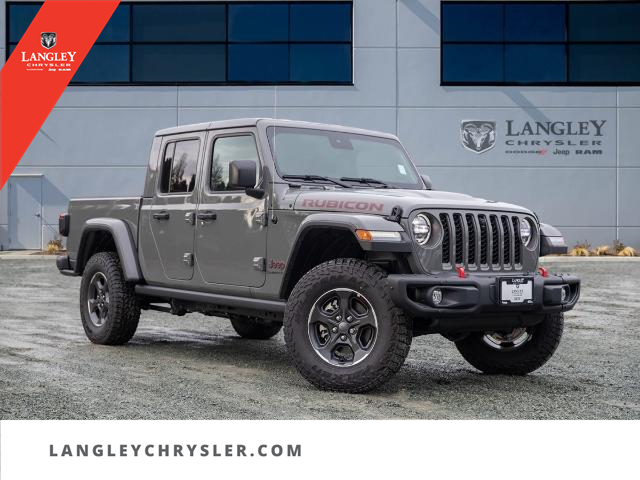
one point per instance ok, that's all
(534, 103)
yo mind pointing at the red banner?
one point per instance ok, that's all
(40, 68)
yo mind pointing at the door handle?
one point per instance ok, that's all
(161, 215)
(204, 216)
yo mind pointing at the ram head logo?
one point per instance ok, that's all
(48, 39)
(478, 135)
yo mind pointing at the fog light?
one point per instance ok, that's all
(564, 294)
(436, 296)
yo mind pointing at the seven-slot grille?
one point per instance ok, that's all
(480, 240)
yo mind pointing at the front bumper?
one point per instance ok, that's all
(472, 303)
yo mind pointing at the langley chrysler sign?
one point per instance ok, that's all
(535, 137)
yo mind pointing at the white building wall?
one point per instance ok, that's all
(96, 140)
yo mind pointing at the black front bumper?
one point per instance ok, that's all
(472, 303)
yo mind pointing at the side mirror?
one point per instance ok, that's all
(242, 174)
(427, 182)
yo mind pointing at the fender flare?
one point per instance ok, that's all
(350, 223)
(552, 241)
(123, 239)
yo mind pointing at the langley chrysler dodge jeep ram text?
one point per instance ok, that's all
(328, 230)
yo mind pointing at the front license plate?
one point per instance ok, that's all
(516, 290)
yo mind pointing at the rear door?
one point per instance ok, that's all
(231, 238)
(172, 215)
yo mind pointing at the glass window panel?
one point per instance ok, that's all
(20, 17)
(604, 63)
(466, 22)
(542, 22)
(117, 28)
(604, 22)
(472, 63)
(321, 63)
(165, 169)
(179, 167)
(258, 63)
(179, 23)
(227, 150)
(321, 22)
(179, 63)
(104, 64)
(259, 23)
(315, 152)
(535, 63)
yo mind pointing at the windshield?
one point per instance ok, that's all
(342, 156)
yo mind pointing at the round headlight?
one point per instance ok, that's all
(421, 227)
(525, 231)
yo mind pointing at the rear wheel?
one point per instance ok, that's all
(515, 352)
(255, 328)
(342, 329)
(108, 306)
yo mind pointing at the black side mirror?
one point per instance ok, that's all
(427, 182)
(242, 174)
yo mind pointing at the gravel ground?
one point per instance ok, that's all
(195, 367)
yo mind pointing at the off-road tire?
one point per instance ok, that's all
(124, 310)
(254, 328)
(394, 331)
(544, 340)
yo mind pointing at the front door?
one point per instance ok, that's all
(25, 212)
(172, 214)
(231, 240)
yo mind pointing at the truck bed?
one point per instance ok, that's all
(81, 210)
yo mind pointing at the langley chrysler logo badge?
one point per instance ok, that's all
(48, 39)
(478, 135)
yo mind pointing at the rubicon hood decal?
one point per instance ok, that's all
(382, 201)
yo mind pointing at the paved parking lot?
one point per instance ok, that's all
(195, 367)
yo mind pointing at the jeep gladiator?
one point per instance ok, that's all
(329, 231)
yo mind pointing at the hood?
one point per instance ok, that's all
(381, 201)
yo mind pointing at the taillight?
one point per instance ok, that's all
(64, 221)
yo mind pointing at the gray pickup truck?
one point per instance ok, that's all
(329, 231)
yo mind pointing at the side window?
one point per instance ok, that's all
(227, 150)
(179, 167)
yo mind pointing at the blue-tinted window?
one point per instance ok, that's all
(104, 64)
(258, 63)
(321, 22)
(117, 28)
(259, 23)
(178, 63)
(543, 22)
(179, 23)
(605, 22)
(605, 63)
(216, 42)
(543, 42)
(315, 63)
(20, 17)
(474, 22)
(535, 64)
(475, 63)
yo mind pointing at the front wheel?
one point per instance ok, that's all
(514, 352)
(342, 329)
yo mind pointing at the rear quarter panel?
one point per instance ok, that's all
(81, 210)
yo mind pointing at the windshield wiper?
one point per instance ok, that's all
(366, 180)
(312, 178)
